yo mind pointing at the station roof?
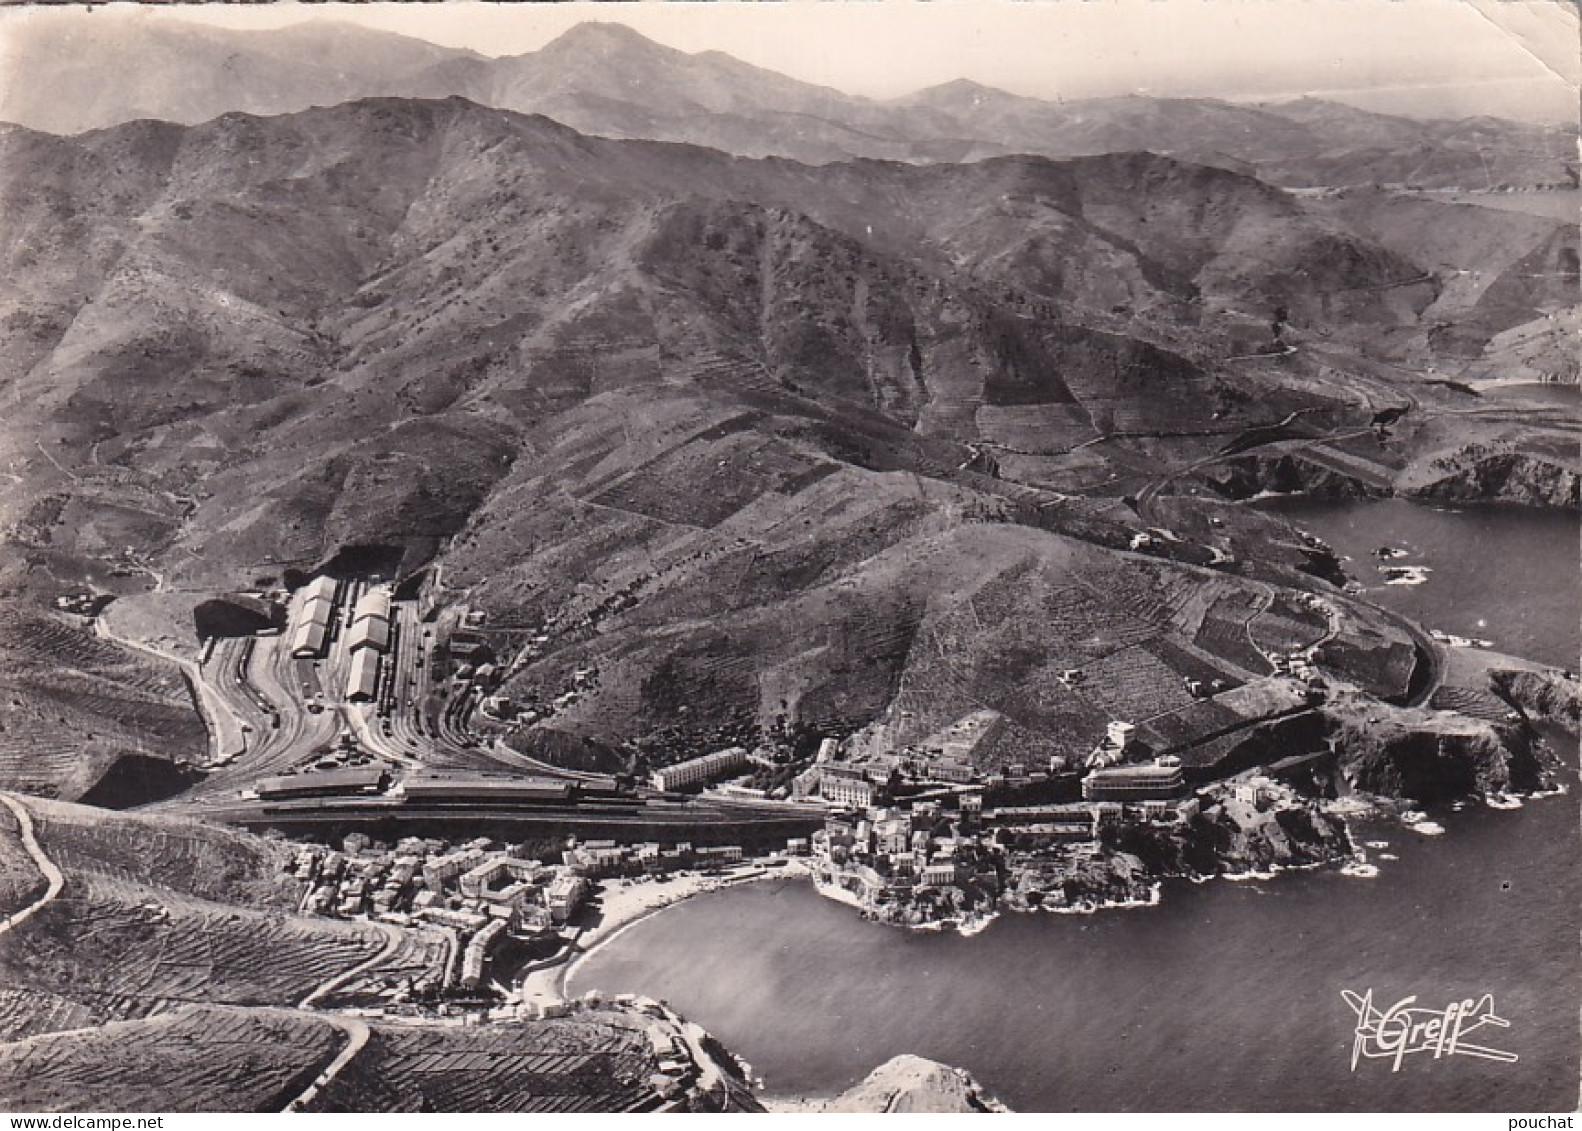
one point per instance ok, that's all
(320, 587)
(370, 632)
(374, 603)
(484, 787)
(309, 636)
(364, 677)
(318, 609)
(1145, 772)
(349, 780)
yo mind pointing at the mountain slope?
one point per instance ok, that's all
(728, 431)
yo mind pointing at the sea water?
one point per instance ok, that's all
(1224, 996)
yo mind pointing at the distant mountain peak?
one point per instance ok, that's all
(603, 36)
(957, 92)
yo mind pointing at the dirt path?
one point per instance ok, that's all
(45, 865)
(357, 1033)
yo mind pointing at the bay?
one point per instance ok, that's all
(1226, 996)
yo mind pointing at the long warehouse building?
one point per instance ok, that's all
(374, 603)
(363, 683)
(312, 631)
(370, 632)
(321, 588)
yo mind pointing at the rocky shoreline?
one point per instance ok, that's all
(1472, 474)
(903, 1085)
(1378, 760)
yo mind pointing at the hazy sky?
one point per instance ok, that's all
(1448, 57)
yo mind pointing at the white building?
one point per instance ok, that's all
(696, 771)
(844, 785)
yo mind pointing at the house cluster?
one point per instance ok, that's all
(875, 763)
(887, 854)
(599, 858)
(1298, 666)
(676, 1070)
(482, 894)
(904, 823)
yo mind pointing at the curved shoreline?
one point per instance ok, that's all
(551, 984)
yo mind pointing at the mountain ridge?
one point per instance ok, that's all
(603, 383)
(713, 99)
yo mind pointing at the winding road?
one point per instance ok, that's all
(393, 941)
(56, 881)
(357, 1034)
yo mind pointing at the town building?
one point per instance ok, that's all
(719, 854)
(446, 917)
(945, 769)
(696, 771)
(892, 833)
(964, 740)
(1257, 792)
(469, 647)
(564, 895)
(846, 785)
(502, 879)
(596, 859)
(941, 871)
(806, 784)
(1117, 737)
(1144, 782)
(440, 870)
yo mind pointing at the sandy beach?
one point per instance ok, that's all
(625, 902)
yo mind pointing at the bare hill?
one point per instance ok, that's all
(616, 387)
(913, 1084)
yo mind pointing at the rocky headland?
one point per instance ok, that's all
(906, 1085)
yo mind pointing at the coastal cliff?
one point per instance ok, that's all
(1432, 756)
(1476, 474)
(1551, 695)
(1284, 474)
(1258, 822)
(1233, 836)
